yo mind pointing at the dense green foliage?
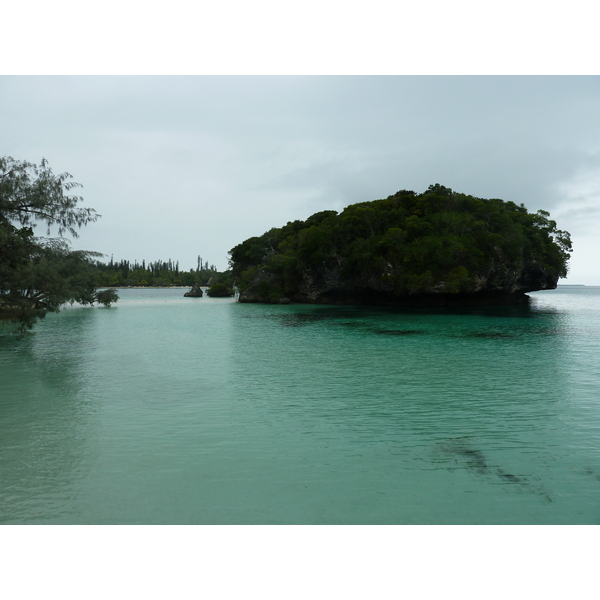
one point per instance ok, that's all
(158, 274)
(152, 274)
(220, 290)
(106, 297)
(437, 241)
(39, 274)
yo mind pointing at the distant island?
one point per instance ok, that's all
(437, 248)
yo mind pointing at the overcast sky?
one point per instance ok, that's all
(181, 166)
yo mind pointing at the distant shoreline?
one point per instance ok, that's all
(149, 287)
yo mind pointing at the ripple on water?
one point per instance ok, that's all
(172, 411)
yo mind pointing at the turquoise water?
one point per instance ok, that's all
(164, 409)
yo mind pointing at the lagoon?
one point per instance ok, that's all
(172, 410)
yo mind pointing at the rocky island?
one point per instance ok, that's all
(195, 292)
(438, 248)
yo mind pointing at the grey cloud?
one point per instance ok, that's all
(180, 166)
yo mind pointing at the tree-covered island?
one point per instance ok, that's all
(438, 248)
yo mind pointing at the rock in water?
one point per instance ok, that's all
(195, 292)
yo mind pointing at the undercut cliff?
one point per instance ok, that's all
(438, 248)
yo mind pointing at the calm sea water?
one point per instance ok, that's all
(164, 409)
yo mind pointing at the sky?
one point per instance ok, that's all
(188, 166)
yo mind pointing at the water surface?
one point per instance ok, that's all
(164, 409)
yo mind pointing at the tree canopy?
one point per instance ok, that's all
(125, 273)
(439, 241)
(39, 274)
(220, 290)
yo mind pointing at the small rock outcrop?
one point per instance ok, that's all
(195, 292)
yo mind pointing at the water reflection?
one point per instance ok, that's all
(405, 380)
(45, 420)
(165, 411)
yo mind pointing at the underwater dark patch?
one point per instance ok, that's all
(490, 335)
(398, 331)
(476, 462)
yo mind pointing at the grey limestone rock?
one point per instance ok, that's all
(195, 292)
